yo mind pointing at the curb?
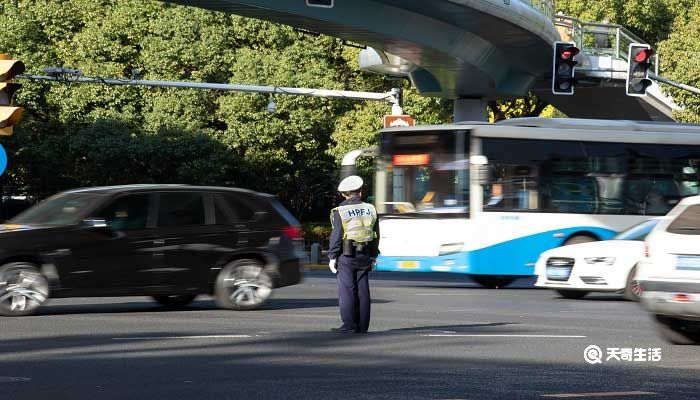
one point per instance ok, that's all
(316, 266)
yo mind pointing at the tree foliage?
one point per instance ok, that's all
(79, 135)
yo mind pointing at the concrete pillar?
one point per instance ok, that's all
(470, 110)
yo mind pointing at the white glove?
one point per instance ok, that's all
(331, 266)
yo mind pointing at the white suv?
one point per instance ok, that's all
(669, 275)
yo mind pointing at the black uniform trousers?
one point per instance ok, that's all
(353, 292)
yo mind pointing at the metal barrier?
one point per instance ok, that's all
(546, 7)
(599, 39)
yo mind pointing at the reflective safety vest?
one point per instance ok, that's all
(358, 221)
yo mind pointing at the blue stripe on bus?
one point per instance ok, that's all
(513, 257)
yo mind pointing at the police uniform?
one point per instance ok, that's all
(354, 246)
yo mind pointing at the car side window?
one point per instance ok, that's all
(181, 209)
(128, 212)
(229, 209)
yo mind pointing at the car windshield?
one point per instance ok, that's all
(60, 209)
(637, 232)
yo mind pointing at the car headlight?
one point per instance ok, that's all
(451, 248)
(600, 260)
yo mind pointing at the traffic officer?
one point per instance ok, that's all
(354, 245)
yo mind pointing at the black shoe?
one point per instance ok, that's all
(342, 329)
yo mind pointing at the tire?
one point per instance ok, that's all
(678, 331)
(23, 289)
(492, 282)
(572, 294)
(632, 289)
(243, 285)
(576, 239)
(175, 300)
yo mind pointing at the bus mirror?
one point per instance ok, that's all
(478, 160)
(481, 165)
(484, 172)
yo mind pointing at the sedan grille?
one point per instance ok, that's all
(559, 268)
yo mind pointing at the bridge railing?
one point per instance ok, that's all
(599, 39)
(546, 7)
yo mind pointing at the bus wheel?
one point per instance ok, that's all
(576, 239)
(492, 282)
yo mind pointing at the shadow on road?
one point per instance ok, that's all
(595, 297)
(305, 366)
(466, 328)
(199, 305)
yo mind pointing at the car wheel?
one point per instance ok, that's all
(678, 331)
(243, 285)
(492, 282)
(23, 289)
(632, 289)
(572, 294)
(175, 300)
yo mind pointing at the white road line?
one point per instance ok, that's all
(600, 394)
(447, 294)
(183, 337)
(12, 379)
(509, 336)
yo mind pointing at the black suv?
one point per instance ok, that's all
(171, 242)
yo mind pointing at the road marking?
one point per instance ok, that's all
(11, 379)
(601, 394)
(509, 336)
(183, 337)
(447, 294)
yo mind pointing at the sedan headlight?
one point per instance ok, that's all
(451, 248)
(600, 260)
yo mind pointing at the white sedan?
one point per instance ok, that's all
(670, 273)
(605, 266)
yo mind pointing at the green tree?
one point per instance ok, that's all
(75, 135)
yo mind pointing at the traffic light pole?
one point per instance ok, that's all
(393, 97)
(674, 84)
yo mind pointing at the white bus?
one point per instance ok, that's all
(550, 182)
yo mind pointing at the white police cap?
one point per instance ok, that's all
(352, 183)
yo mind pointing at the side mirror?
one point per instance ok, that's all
(95, 223)
(481, 165)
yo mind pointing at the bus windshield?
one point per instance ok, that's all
(423, 172)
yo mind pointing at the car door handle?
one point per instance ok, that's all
(159, 242)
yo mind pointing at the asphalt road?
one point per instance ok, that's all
(432, 337)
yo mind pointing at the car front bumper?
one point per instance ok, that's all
(586, 277)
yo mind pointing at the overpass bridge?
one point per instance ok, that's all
(468, 50)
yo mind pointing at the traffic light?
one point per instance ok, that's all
(9, 115)
(563, 80)
(638, 73)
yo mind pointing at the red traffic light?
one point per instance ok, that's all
(644, 55)
(569, 53)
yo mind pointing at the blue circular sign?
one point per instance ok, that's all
(3, 160)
